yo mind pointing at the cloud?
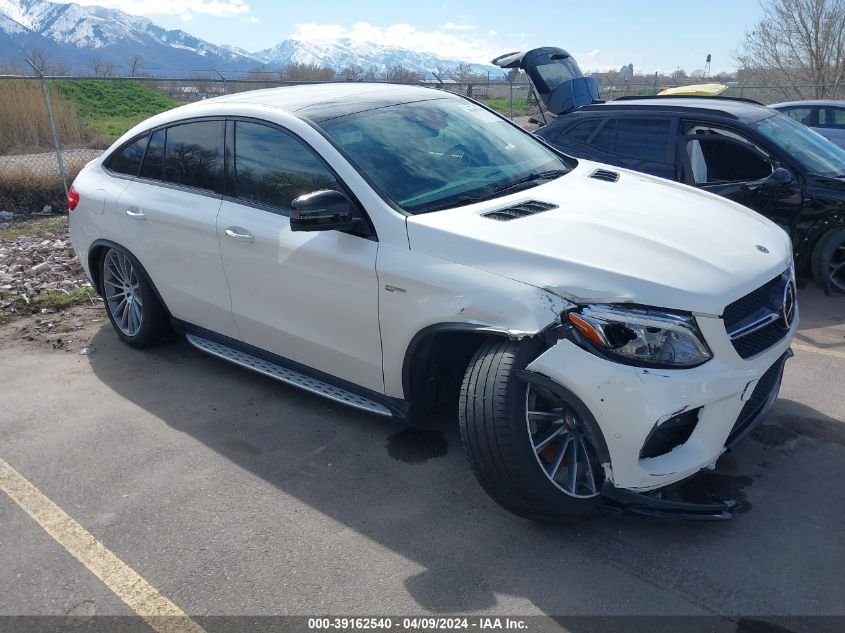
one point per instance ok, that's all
(451, 26)
(454, 45)
(492, 33)
(185, 9)
(594, 53)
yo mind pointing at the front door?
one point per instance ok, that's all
(727, 163)
(311, 297)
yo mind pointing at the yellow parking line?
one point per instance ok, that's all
(818, 350)
(144, 599)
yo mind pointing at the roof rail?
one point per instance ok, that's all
(718, 98)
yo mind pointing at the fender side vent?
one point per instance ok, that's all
(519, 210)
(606, 175)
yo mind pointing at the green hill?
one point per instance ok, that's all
(112, 107)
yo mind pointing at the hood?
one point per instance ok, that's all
(556, 76)
(640, 239)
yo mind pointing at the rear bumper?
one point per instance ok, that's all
(731, 396)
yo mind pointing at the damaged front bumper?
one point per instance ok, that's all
(723, 399)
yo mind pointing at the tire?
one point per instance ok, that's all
(496, 435)
(134, 310)
(830, 251)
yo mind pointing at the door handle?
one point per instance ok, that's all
(135, 213)
(239, 234)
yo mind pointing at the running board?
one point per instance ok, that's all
(288, 375)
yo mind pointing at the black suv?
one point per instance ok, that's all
(735, 148)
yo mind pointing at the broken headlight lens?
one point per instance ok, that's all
(640, 336)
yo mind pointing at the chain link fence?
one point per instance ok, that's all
(86, 114)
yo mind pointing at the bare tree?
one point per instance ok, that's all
(306, 72)
(400, 74)
(38, 58)
(135, 62)
(797, 41)
(97, 66)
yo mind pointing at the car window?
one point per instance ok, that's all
(646, 139)
(830, 117)
(191, 154)
(431, 155)
(274, 168)
(804, 146)
(606, 138)
(802, 115)
(718, 159)
(127, 160)
(581, 131)
(153, 166)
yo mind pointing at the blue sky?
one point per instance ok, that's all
(602, 34)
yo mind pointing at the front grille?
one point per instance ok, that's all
(767, 299)
(752, 408)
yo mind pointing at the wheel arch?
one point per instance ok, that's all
(812, 236)
(437, 357)
(95, 254)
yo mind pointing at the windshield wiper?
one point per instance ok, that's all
(532, 177)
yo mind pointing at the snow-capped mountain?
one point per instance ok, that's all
(342, 53)
(75, 36)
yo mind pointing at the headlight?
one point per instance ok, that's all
(639, 336)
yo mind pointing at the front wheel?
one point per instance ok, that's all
(135, 312)
(829, 260)
(527, 442)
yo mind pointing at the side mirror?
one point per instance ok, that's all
(325, 210)
(780, 178)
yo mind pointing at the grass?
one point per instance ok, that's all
(109, 108)
(24, 122)
(26, 191)
(521, 106)
(28, 228)
(50, 300)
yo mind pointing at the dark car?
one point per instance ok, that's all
(735, 148)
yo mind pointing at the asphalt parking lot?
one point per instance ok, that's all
(232, 494)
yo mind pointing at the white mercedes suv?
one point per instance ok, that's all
(604, 333)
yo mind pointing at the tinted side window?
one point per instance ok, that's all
(274, 168)
(832, 117)
(153, 166)
(646, 139)
(582, 131)
(127, 160)
(606, 138)
(191, 155)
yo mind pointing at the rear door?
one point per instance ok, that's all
(311, 297)
(169, 222)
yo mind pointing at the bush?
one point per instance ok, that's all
(25, 192)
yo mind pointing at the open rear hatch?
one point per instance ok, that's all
(556, 76)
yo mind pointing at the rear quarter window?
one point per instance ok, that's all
(127, 159)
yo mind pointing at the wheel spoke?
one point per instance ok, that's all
(545, 415)
(113, 269)
(555, 466)
(539, 446)
(573, 467)
(136, 313)
(588, 468)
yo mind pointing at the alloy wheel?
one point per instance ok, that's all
(836, 267)
(560, 443)
(123, 292)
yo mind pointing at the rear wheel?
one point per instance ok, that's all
(527, 442)
(133, 308)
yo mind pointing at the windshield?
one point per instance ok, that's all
(814, 152)
(431, 155)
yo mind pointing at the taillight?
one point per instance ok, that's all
(72, 199)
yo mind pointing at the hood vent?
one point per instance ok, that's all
(606, 175)
(519, 210)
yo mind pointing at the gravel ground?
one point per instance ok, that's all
(73, 158)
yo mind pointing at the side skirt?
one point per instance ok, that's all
(292, 373)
